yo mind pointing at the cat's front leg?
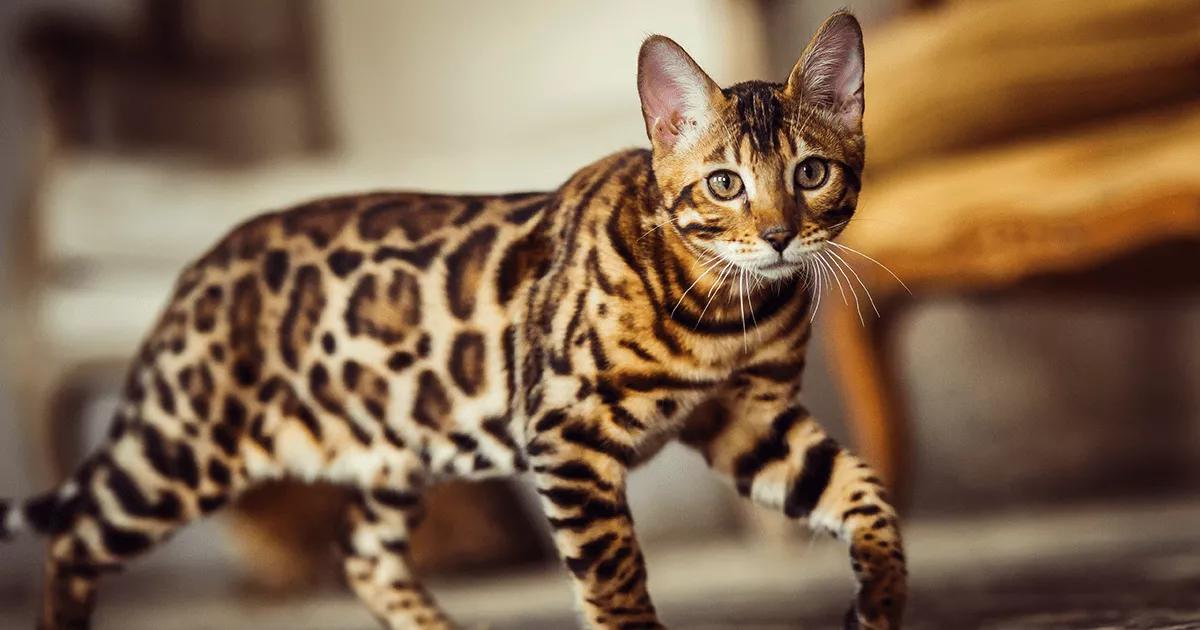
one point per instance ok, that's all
(579, 463)
(777, 455)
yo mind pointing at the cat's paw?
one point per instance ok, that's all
(882, 590)
(852, 621)
(857, 618)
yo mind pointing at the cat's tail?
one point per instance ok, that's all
(42, 514)
(11, 520)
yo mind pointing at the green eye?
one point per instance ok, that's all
(811, 173)
(725, 185)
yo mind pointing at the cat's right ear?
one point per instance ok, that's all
(678, 98)
(830, 72)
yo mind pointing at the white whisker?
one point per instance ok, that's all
(817, 290)
(750, 304)
(710, 267)
(713, 293)
(868, 219)
(881, 265)
(669, 219)
(720, 278)
(741, 309)
(860, 281)
(857, 306)
(821, 259)
(758, 280)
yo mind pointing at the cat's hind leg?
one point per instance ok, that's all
(376, 559)
(124, 501)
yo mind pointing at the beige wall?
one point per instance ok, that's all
(499, 95)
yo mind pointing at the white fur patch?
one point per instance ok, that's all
(14, 521)
(770, 486)
(296, 452)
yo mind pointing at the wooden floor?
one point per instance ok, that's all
(1130, 566)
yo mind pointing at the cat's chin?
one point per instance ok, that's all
(776, 270)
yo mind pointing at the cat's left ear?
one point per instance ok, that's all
(678, 98)
(830, 72)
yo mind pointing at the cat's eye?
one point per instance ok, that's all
(725, 185)
(811, 173)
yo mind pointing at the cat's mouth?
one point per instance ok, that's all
(777, 269)
(779, 265)
(764, 262)
(792, 262)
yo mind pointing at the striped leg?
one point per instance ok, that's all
(375, 544)
(72, 574)
(119, 506)
(70, 590)
(581, 481)
(779, 456)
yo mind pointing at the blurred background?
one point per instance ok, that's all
(1033, 178)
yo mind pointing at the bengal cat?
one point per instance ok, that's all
(387, 341)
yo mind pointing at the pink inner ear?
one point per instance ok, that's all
(669, 83)
(832, 72)
(848, 88)
(662, 91)
(849, 76)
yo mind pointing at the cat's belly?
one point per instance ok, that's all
(422, 428)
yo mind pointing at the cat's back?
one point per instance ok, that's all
(340, 228)
(377, 270)
(341, 238)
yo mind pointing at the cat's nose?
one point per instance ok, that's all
(778, 236)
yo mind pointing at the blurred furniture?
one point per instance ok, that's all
(1015, 146)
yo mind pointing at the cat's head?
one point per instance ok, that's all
(760, 174)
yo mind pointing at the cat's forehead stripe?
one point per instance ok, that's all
(759, 113)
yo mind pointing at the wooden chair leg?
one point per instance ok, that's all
(869, 389)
